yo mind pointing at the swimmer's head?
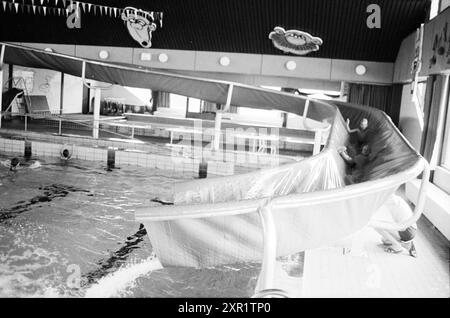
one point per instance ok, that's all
(65, 153)
(14, 163)
(363, 123)
(365, 150)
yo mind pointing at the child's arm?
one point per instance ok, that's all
(348, 127)
(345, 156)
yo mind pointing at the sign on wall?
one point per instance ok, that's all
(441, 46)
(140, 25)
(294, 41)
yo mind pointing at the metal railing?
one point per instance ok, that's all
(61, 119)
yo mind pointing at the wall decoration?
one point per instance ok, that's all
(140, 25)
(294, 41)
(441, 47)
(28, 80)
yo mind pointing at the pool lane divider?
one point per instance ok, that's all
(27, 149)
(111, 157)
(203, 169)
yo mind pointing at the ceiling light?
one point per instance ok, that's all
(291, 65)
(360, 69)
(224, 61)
(103, 54)
(163, 58)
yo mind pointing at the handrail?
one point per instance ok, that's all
(201, 210)
(15, 82)
(418, 209)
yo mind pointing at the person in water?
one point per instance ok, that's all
(15, 163)
(398, 242)
(356, 162)
(65, 154)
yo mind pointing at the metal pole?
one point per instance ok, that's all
(305, 111)
(218, 122)
(217, 130)
(267, 273)
(61, 95)
(96, 113)
(2, 57)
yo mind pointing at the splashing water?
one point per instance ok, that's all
(60, 215)
(116, 284)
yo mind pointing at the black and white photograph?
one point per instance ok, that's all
(245, 150)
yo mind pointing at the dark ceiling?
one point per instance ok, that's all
(236, 25)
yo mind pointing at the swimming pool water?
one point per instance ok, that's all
(68, 230)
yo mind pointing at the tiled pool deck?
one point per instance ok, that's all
(368, 271)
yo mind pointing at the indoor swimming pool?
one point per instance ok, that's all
(68, 230)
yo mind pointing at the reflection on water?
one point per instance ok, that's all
(68, 230)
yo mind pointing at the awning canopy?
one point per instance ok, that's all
(206, 89)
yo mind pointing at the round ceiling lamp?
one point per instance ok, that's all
(291, 65)
(224, 61)
(163, 58)
(360, 69)
(103, 54)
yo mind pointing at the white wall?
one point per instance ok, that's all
(5, 74)
(410, 117)
(248, 64)
(46, 82)
(73, 94)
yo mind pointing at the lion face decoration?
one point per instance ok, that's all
(139, 25)
(294, 41)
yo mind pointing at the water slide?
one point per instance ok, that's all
(219, 221)
(271, 212)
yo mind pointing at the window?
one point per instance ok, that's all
(194, 105)
(445, 159)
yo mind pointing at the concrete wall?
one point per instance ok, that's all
(405, 57)
(409, 123)
(248, 64)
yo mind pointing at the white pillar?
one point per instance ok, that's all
(218, 122)
(267, 274)
(98, 94)
(317, 141)
(2, 55)
(217, 130)
(436, 156)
